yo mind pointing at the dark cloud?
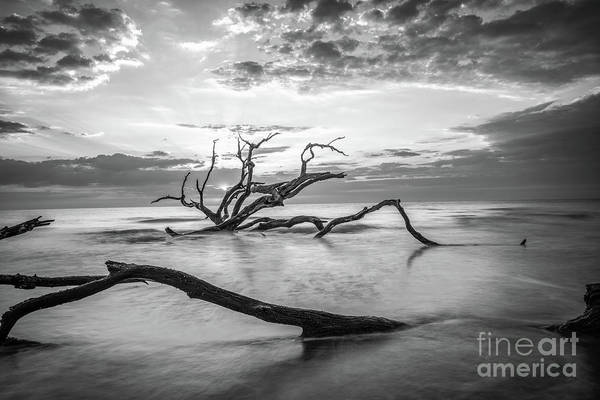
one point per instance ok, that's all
(242, 75)
(323, 50)
(270, 150)
(99, 19)
(74, 61)
(394, 153)
(16, 21)
(296, 5)
(108, 170)
(405, 11)
(260, 153)
(8, 127)
(347, 44)
(330, 10)
(63, 42)
(214, 126)
(300, 35)
(17, 36)
(548, 148)
(88, 18)
(41, 74)
(477, 43)
(9, 57)
(183, 125)
(68, 44)
(250, 68)
(158, 153)
(246, 129)
(250, 130)
(253, 9)
(564, 135)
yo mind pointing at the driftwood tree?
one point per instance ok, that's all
(314, 323)
(233, 214)
(23, 227)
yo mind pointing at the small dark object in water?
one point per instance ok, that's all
(523, 243)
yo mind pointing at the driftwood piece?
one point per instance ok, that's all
(354, 217)
(23, 227)
(266, 223)
(589, 321)
(313, 323)
(32, 281)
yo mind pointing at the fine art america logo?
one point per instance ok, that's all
(546, 353)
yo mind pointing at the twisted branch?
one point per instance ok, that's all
(309, 147)
(354, 217)
(250, 170)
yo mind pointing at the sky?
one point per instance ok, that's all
(110, 103)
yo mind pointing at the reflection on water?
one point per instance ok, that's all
(137, 341)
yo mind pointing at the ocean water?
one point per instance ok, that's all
(137, 341)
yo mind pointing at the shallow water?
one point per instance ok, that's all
(136, 341)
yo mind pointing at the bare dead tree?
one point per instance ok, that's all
(23, 227)
(589, 321)
(273, 195)
(314, 323)
(233, 208)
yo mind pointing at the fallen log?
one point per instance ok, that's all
(314, 323)
(23, 227)
(589, 321)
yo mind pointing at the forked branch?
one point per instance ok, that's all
(304, 158)
(314, 323)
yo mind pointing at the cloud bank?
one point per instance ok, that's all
(68, 46)
(550, 144)
(477, 43)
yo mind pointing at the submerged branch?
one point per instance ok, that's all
(23, 227)
(314, 323)
(266, 223)
(32, 281)
(354, 217)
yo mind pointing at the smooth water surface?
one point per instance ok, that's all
(137, 341)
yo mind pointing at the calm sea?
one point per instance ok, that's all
(140, 342)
